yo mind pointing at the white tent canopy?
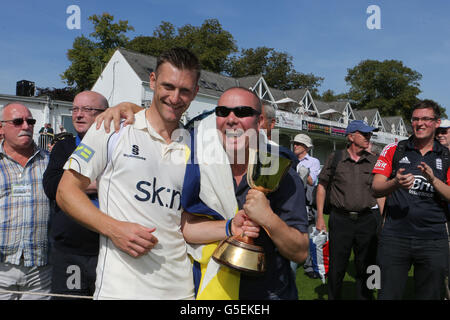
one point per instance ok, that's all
(286, 100)
(329, 111)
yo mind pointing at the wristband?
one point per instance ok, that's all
(228, 228)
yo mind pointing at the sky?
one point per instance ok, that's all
(324, 37)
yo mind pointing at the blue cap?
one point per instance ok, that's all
(359, 125)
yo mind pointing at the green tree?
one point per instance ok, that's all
(164, 37)
(109, 35)
(387, 85)
(249, 62)
(276, 67)
(330, 96)
(88, 56)
(210, 42)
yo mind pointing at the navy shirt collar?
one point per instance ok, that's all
(437, 146)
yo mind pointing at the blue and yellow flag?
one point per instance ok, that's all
(208, 190)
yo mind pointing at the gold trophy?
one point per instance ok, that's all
(238, 251)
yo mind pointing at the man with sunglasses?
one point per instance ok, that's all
(73, 246)
(443, 133)
(414, 230)
(352, 221)
(24, 208)
(282, 214)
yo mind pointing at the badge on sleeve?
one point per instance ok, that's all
(84, 152)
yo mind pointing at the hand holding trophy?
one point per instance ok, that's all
(239, 251)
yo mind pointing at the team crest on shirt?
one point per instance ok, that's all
(84, 152)
(135, 150)
(134, 153)
(439, 163)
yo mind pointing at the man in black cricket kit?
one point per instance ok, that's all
(414, 230)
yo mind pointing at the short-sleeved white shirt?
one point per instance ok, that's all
(139, 179)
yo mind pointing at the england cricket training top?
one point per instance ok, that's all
(139, 179)
(418, 212)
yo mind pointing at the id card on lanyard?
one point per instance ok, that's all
(21, 190)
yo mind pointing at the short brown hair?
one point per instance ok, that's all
(181, 58)
(428, 104)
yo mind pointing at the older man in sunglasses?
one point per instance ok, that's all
(282, 214)
(24, 208)
(443, 133)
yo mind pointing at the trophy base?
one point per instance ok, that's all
(240, 256)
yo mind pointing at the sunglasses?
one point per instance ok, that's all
(365, 134)
(20, 121)
(240, 112)
(441, 130)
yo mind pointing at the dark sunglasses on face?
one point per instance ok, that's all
(20, 121)
(441, 130)
(367, 135)
(240, 112)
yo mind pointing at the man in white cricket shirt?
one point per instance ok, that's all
(139, 171)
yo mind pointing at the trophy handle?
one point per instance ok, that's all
(244, 238)
(247, 239)
(265, 191)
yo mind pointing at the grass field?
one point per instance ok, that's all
(314, 289)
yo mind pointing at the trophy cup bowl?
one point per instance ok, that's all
(239, 252)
